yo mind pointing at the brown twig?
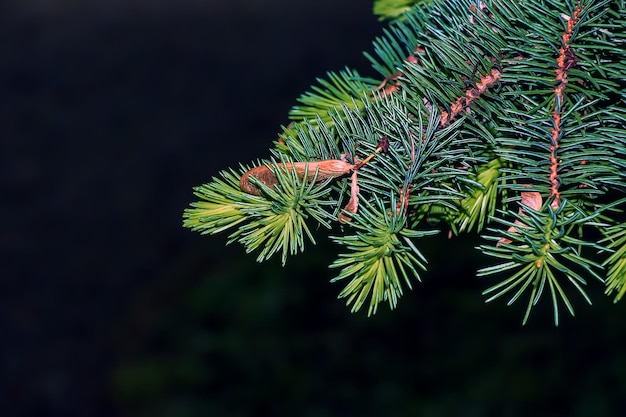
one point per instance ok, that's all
(565, 61)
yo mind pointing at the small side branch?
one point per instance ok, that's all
(471, 94)
(309, 171)
(391, 84)
(565, 61)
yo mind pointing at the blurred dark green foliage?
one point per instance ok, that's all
(246, 340)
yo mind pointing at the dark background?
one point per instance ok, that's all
(110, 113)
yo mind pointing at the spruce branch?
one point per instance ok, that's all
(496, 116)
(539, 251)
(273, 221)
(380, 256)
(615, 242)
(340, 89)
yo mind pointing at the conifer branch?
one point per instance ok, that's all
(503, 117)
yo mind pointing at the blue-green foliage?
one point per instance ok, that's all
(481, 102)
